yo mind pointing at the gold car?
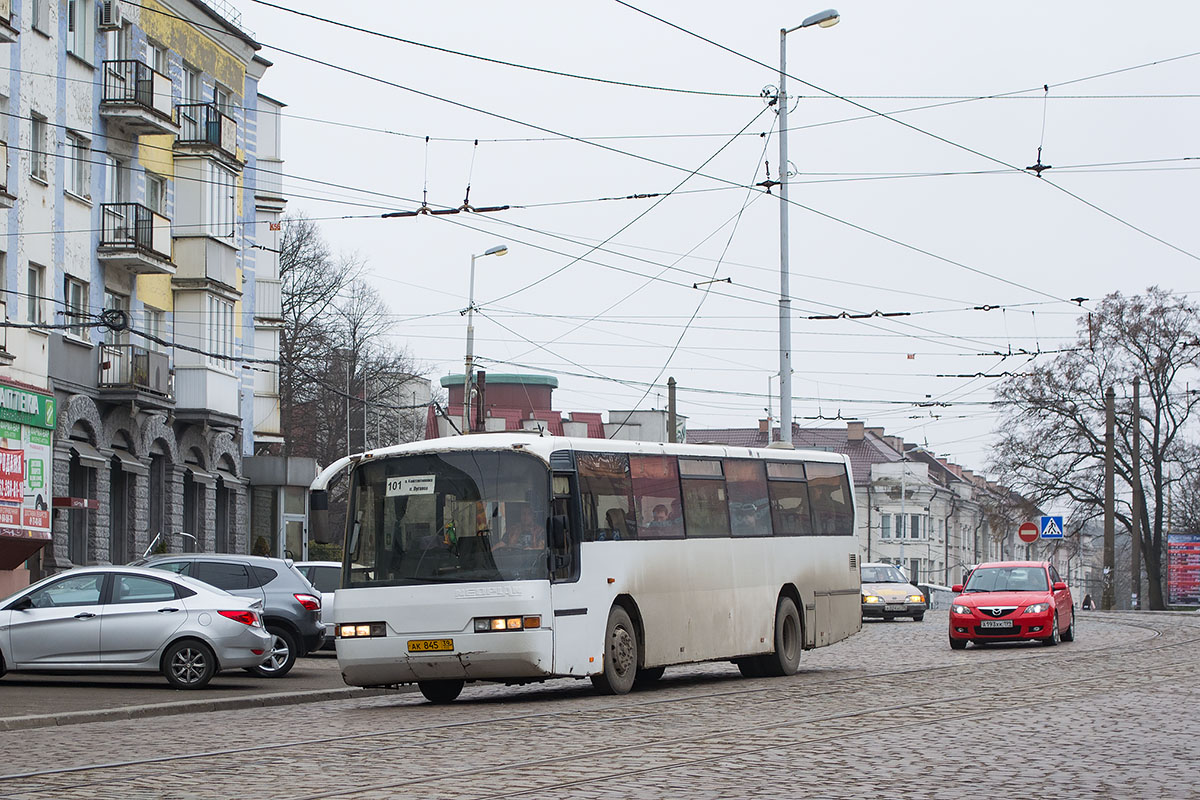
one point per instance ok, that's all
(886, 593)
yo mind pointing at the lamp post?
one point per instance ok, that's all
(824, 19)
(498, 250)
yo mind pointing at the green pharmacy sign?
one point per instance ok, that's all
(27, 408)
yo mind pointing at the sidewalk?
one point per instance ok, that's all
(49, 699)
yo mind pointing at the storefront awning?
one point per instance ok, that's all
(88, 456)
(16, 546)
(229, 478)
(130, 463)
(200, 476)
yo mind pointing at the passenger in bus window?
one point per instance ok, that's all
(522, 531)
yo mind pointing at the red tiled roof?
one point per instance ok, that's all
(595, 423)
(553, 421)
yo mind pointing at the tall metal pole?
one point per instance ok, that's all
(1107, 596)
(785, 300)
(466, 407)
(1136, 528)
(903, 524)
(672, 435)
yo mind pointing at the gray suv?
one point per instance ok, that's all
(291, 606)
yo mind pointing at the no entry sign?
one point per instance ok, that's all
(1028, 532)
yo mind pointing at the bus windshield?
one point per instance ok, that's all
(447, 518)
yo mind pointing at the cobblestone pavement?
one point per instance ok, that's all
(891, 712)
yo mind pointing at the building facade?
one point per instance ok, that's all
(140, 267)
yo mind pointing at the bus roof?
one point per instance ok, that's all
(543, 446)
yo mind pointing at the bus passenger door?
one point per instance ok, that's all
(572, 614)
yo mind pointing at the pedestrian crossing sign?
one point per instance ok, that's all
(1052, 528)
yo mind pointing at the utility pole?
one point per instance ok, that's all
(1107, 596)
(1135, 585)
(672, 436)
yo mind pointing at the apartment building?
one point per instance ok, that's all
(139, 218)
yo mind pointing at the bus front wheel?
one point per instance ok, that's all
(620, 654)
(440, 692)
(786, 658)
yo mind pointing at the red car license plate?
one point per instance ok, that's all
(995, 623)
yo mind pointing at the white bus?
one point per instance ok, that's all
(642, 556)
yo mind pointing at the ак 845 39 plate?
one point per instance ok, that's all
(429, 645)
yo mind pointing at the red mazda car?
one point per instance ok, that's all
(1008, 601)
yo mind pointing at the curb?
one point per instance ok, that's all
(189, 707)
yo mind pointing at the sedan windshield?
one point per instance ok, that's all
(448, 518)
(1008, 579)
(882, 575)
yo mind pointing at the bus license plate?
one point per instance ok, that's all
(995, 623)
(895, 607)
(428, 645)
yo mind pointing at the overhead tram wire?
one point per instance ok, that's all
(916, 129)
(636, 156)
(500, 62)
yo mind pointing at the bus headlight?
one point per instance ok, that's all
(361, 630)
(485, 624)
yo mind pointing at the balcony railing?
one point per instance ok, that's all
(133, 226)
(132, 83)
(126, 366)
(203, 124)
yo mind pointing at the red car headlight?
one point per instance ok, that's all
(1037, 608)
(960, 609)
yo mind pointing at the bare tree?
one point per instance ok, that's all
(1052, 427)
(312, 279)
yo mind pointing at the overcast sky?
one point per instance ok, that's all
(923, 212)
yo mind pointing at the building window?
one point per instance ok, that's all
(116, 302)
(154, 328)
(220, 331)
(40, 13)
(35, 282)
(156, 57)
(38, 147)
(79, 165)
(191, 85)
(156, 193)
(220, 192)
(221, 99)
(81, 27)
(75, 293)
(916, 529)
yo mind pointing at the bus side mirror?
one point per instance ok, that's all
(558, 532)
(318, 516)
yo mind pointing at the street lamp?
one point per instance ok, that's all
(824, 19)
(498, 250)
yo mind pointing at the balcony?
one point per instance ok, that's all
(8, 31)
(208, 395)
(134, 237)
(204, 130)
(132, 373)
(137, 98)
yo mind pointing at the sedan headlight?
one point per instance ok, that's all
(1037, 608)
(916, 598)
(960, 609)
(872, 598)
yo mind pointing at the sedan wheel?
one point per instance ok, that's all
(1052, 639)
(282, 658)
(958, 644)
(189, 665)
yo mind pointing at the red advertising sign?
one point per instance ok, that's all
(12, 475)
(35, 518)
(1028, 532)
(1183, 569)
(10, 516)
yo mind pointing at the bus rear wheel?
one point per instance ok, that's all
(620, 654)
(440, 692)
(788, 642)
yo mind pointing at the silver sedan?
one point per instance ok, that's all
(131, 618)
